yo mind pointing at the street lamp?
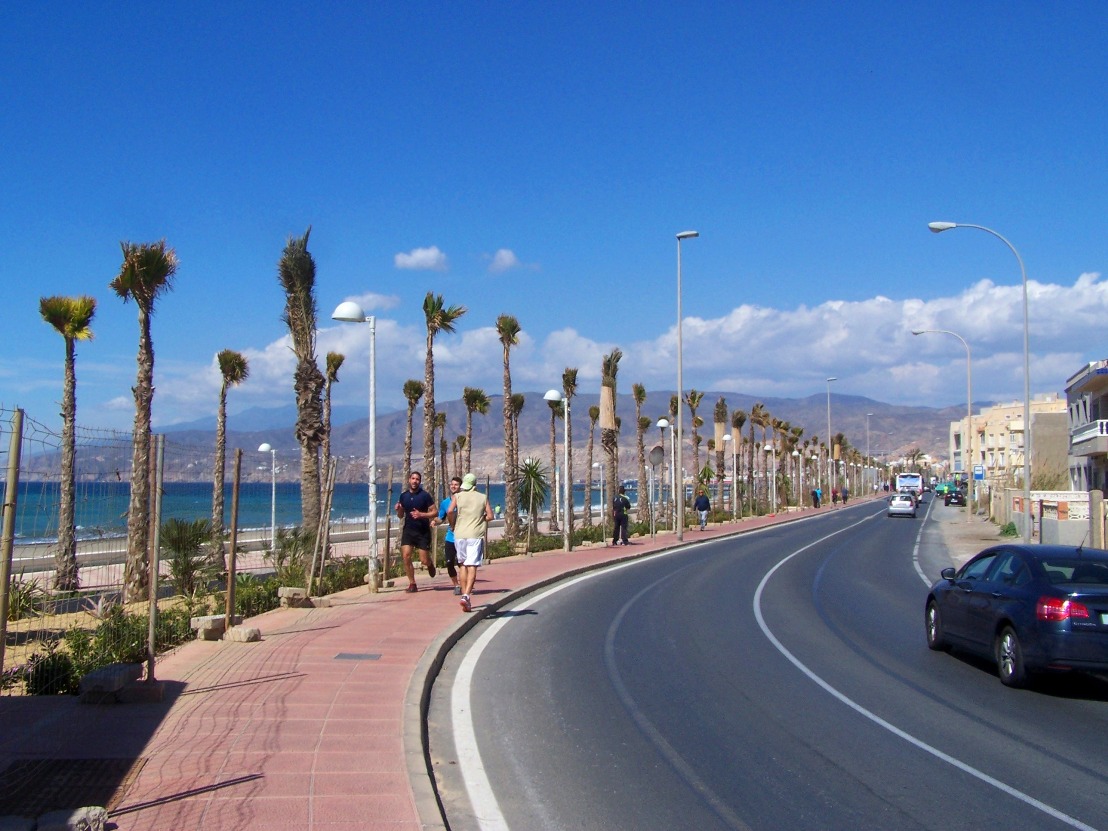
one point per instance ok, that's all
(770, 448)
(567, 505)
(799, 478)
(830, 442)
(680, 393)
(663, 423)
(265, 447)
(938, 228)
(350, 312)
(968, 438)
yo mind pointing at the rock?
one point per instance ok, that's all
(92, 818)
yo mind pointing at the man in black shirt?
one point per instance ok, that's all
(620, 506)
(417, 508)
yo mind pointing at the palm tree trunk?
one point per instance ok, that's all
(65, 559)
(220, 471)
(136, 570)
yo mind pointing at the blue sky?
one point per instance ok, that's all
(537, 160)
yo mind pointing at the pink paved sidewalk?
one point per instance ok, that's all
(317, 726)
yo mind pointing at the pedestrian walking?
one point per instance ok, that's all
(470, 514)
(702, 506)
(846, 493)
(621, 505)
(450, 553)
(815, 498)
(819, 497)
(417, 508)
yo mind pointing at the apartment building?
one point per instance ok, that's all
(998, 439)
(1087, 410)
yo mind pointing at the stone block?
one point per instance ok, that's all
(102, 685)
(91, 818)
(210, 627)
(243, 634)
(293, 597)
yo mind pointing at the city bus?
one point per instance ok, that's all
(910, 482)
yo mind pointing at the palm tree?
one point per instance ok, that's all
(609, 428)
(475, 401)
(719, 421)
(440, 425)
(413, 391)
(334, 364)
(757, 415)
(508, 328)
(517, 409)
(440, 318)
(147, 272)
(638, 393)
(594, 416)
(556, 409)
(738, 420)
(569, 390)
(693, 399)
(72, 318)
(296, 274)
(234, 369)
(534, 490)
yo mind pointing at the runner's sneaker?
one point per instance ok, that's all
(430, 569)
(465, 603)
(411, 588)
(457, 590)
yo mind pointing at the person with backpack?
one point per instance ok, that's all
(621, 506)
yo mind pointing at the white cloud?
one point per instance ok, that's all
(422, 259)
(504, 260)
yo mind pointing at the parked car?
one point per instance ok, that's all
(1030, 608)
(955, 498)
(901, 504)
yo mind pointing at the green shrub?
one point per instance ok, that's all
(292, 555)
(51, 673)
(26, 598)
(1009, 530)
(254, 596)
(343, 573)
(191, 561)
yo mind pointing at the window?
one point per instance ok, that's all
(1010, 570)
(975, 570)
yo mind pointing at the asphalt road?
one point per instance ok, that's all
(776, 680)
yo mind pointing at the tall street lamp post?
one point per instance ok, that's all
(938, 228)
(772, 473)
(726, 441)
(830, 442)
(603, 515)
(869, 461)
(267, 448)
(351, 312)
(799, 486)
(967, 439)
(680, 503)
(567, 504)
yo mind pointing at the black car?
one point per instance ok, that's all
(955, 498)
(1031, 608)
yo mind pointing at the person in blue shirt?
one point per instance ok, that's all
(417, 508)
(702, 505)
(449, 551)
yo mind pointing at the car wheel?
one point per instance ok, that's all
(1009, 659)
(934, 622)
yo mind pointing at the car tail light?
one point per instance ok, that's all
(1055, 608)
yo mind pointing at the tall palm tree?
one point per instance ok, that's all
(719, 422)
(439, 318)
(440, 426)
(71, 317)
(638, 394)
(692, 400)
(475, 401)
(557, 409)
(233, 369)
(569, 390)
(146, 273)
(517, 408)
(413, 391)
(334, 364)
(296, 274)
(738, 421)
(757, 414)
(508, 329)
(609, 429)
(594, 416)
(458, 451)
(534, 490)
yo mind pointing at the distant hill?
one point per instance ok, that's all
(263, 418)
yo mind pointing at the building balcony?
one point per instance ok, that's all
(1090, 439)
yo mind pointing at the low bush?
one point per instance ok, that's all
(1009, 530)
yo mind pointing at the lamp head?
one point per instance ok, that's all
(350, 312)
(939, 227)
(663, 423)
(552, 395)
(918, 331)
(688, 234)
(829, 380)
(264, 447)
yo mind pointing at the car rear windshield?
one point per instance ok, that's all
(1069, 570)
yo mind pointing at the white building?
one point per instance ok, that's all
(1087, 408)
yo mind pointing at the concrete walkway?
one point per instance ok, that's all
(317, 726)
